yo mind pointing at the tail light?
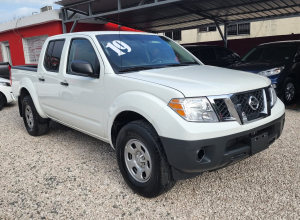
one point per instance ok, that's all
(9, 69)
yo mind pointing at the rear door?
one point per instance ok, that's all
(81, 97)
(49, 77)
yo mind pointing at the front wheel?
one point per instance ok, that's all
(289, 91)
(31, 118)
(142, 160)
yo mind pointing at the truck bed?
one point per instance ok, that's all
(32, 68)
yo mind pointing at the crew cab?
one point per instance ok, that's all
(168, 116)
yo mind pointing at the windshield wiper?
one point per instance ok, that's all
(182, 64)
(137, 68)
(177, 64)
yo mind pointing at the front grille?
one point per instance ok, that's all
(243, 99)
(240, 102)
(222, 107)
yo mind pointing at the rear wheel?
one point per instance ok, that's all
(31, 118)
(2, 101)
(289, 91)
(142, 160)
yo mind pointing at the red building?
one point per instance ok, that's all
(21, 40)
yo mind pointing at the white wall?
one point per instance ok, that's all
(34, 19)
(283, 26)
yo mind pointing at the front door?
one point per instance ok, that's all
(81, 97)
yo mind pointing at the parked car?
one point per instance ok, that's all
(213, 55)
(5, 93)
(280, 62)
(168, 116)
(5, 85)
(4, 70)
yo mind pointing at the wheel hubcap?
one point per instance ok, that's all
(29, 117)
(289, 91)
(138, 161)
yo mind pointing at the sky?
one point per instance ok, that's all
(13, 9)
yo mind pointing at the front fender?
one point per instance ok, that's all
(29, 86)
(142, 103)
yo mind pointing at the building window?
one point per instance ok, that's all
(212, 28)
(207, 28)
(232, 30)
(175, 35)
(244, 28)
(239, 29)
(203, 29)
(169, 34)
(32, 48)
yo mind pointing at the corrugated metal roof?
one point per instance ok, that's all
(186, 14)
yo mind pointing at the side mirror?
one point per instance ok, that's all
(82, 67)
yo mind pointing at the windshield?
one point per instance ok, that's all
(274, 52)
(136, 52)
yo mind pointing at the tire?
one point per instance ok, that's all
(31, 118)
(157, 176)
(289, 91)
(2, 101)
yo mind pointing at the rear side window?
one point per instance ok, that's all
(53, 55)
(82, 49)
(207, 54)
(224, 54)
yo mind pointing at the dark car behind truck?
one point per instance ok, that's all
(214, 55)
(280, 62)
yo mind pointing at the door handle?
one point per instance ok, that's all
(64, 84)
(42, 79)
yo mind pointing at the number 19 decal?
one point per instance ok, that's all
(119, 47)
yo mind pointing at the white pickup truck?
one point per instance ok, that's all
(168, 116)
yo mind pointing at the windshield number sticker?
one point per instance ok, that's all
(118, 47)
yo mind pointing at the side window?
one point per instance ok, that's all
(53, 55)
(224, 54)
(207, 54)
(82, 49)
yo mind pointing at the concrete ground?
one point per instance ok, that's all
(68, 175)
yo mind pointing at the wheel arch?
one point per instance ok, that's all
(120, 121)
(129, 107)
(26, 87)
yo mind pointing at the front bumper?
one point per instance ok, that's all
(219, 152)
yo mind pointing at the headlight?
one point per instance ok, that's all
(271, 72)
(194, 109)
(273, 95)
(4, 84)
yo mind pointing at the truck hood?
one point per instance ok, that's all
(202, 80)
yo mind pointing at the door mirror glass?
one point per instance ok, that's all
(82, 67)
